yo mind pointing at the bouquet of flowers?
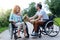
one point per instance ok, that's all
(25, 18)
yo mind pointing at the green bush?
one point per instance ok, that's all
(4, 19)
(57, 20)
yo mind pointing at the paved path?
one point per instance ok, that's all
(5, 35)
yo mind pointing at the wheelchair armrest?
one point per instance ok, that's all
(11, 22)
(13, 26)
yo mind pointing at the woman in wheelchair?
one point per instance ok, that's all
(41, 18)
(16, 19)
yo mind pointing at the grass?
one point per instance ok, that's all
(57, 20)
(3, 29)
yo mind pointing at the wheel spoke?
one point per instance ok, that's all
(53, 29)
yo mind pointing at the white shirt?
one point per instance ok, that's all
(43, 13)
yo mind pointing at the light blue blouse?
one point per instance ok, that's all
(16, 18)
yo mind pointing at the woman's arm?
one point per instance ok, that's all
(11, 19)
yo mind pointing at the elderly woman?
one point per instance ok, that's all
(16, 18)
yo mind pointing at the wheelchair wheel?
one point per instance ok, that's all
(15, 36)
(10, 31)
(52, 28)
(43, 31)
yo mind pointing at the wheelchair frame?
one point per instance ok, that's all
(44, 27)
(13, 31)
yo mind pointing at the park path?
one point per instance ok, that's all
(5, 35)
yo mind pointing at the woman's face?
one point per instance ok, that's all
(17, 9)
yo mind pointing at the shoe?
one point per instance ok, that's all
(34, 34)
(26, 36)
(19, 37)
(40, 36)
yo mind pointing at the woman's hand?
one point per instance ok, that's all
(30, 18)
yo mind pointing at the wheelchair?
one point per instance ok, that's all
(49, 27)
(13, 31)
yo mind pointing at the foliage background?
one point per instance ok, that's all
(4, 18)
(54, 6)
(30, 11)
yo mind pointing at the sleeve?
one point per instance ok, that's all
(11, 17)
(41, 13)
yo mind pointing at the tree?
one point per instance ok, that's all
(24, 11)
(31, 10)
(4, 19)
(54, 6)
